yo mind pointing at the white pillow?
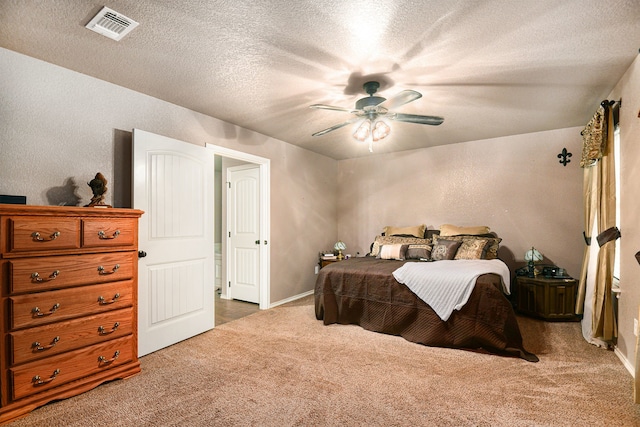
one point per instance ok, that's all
(396, 251)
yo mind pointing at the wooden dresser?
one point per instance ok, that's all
(69, 302)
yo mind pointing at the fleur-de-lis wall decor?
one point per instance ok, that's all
(564, 157)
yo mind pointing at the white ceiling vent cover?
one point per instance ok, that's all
(111, 24)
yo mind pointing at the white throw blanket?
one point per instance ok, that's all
(446, 285)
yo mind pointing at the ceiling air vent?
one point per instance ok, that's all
(111, 24)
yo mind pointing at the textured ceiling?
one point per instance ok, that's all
(490, 68)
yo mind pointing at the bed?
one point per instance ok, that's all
(363, 291)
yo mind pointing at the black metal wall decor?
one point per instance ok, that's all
(564, 157)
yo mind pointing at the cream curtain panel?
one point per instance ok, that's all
(599, 201)
(589, 201)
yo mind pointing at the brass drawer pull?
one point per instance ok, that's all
(103, 301)
(104, 360)
(39, 381)
(36, 277)
(103, 236)
(102, 271)
(37, 238)
(36, 311)
(39, 347)
(103, 331)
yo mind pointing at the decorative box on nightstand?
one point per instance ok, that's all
(547, 298)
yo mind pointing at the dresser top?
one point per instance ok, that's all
(8, 209)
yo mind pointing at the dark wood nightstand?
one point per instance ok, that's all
(547, 298)
(325, 262)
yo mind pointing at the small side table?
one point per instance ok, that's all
(547, 298)
(325, 262)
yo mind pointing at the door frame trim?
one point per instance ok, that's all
(265, 209)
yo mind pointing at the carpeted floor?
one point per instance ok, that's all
(282, 367)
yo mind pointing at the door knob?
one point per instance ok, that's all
(257, 242)
(142, 254)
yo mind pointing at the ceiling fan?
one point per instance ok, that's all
(371, 108)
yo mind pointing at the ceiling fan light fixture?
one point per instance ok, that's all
(370, 132)
(371, 108)
(380, 130)
(363, 131)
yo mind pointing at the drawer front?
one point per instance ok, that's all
(109, 232)
(51, 372)
(57, 272)
(34, 233)
(53, 306)
(48, 340)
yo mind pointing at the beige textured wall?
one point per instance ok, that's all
(628, 89)
(515, 185)
(58, 128)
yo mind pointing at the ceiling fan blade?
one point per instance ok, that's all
(332, 128)
(415, 118)
(331, 107)
(404, 97)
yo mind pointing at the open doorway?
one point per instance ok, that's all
(228, 308)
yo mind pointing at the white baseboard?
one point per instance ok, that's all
(624, 361)
(293, 298)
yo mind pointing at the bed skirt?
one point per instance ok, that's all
(363, 291)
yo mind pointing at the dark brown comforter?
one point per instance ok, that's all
(363, 291)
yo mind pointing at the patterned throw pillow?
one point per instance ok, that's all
(492, 246)
(445, 249)
(418, 252)
(393, 240)
(472, 249)
(396, 251)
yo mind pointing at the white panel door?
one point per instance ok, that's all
(173, 185)
(243, 224)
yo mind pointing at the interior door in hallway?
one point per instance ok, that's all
(243, 226)
(173, 185)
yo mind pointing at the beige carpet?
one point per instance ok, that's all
(282, 367)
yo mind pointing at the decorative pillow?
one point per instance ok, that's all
(418, 252)
(392, 240)
(396, 251)
(492, 246)
(472, 249)
(445, 249)
(453, 230)
(428, 234)
(417, 231)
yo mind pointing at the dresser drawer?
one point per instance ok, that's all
(34, 233)
(109, 232)
(51, 372)
(56, 272)
(48, 340)
(53, 306)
